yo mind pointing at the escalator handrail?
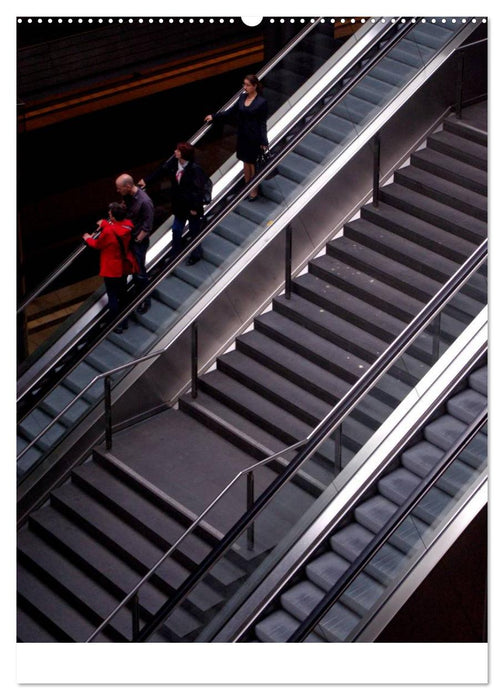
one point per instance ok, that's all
(383, 535)
(192, 140)
(254, 182)
(320, 433)
(273, 163)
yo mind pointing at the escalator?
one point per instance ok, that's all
(104, 528)
(365, 596)
(238, 236)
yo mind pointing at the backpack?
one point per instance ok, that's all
(207, 189)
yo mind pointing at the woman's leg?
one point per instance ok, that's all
(248, 174)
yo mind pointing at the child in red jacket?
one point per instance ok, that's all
(116, 259)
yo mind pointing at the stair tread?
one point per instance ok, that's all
(440, 240)
(444, 216)
(367, 286)
(456, 170)
(458, 194)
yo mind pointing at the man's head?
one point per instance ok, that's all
(125, 184)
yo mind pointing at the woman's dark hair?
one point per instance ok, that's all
(254, 80)
(186, 150)
(117, 211)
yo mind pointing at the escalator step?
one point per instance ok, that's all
(58, 399)
(80, 377)
(300, 600)
(34, 423)
(423, 457)
(327, 569)
(374, 513)
(217, 249)
(479, 380)
(445, 431)
(316, 148)
(296, 167)
(157, 318)
(278, 627)
(174, 292)
(467, 405)
(107, 356)
(353, 538)
(236, 228)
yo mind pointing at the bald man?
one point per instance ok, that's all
(140, 209)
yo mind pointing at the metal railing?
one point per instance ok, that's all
(356, 568)
(310, 444)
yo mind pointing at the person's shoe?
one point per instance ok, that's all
(192, 261)
(144, 307)
(253, 198)
(118, 330)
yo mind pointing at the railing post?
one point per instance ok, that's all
(135, 618)
(194, 359)
(460, 83)
(338, 448)
(288, 261)
(436, 338)
(250, 503)
(108, 412)
(376, 169)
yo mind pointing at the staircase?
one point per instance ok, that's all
(102, 529)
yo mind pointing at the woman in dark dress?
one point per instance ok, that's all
(251, 111)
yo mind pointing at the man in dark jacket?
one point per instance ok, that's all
(187, 190)
(140, 209)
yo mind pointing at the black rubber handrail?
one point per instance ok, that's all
(323, 430)
(337, 590)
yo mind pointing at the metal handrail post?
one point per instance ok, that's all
(338, 448)
(436, 338)
(107, 381)
(288, 261)
(250, 503)
(376, 169)
(135, 617)
(194, 359)
(460, 85)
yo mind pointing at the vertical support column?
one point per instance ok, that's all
(436, 338)
(108, 412)
(194, 359)
(288, 261)
(338, 460)
(135, 618)
(250, 503)
(460, 84)
(376, 169)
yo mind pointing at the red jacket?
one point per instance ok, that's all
(111, 257)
